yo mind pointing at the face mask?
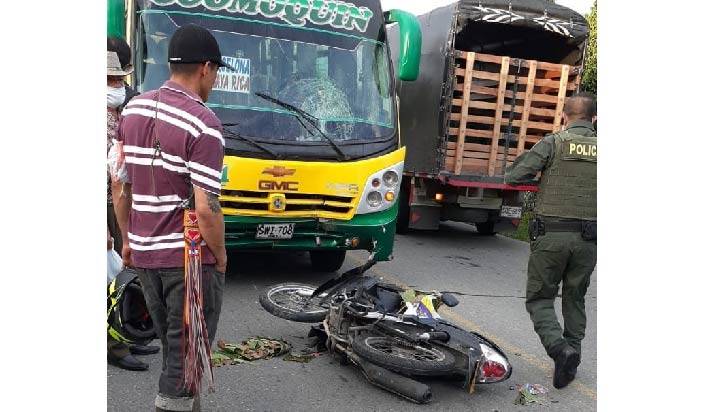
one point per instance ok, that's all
(115, 96)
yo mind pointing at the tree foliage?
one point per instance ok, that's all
(589, 78)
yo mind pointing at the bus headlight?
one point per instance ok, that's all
(390, 178)
(374, 199)
(381, 190)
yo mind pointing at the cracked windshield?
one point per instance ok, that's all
(340, 82)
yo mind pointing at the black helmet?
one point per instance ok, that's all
(128, 319)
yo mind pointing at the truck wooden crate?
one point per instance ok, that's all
(485, 118)
(493, 79)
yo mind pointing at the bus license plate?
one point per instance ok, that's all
(274, 231)
(513, 212)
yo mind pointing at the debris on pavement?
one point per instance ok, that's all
(249, 350)
(306, 355)
(409, 295)
(531, 393)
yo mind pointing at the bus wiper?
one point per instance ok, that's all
(228, 133)
(311, 119)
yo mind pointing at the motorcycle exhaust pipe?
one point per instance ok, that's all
(401, 385)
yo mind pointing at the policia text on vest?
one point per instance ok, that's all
(589, 151)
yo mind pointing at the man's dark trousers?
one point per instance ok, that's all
(558, 257)
(164, 294)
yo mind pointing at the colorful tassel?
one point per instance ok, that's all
(197, 352)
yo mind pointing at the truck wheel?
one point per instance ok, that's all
(327, 260)
(403, 213)
(486, 228)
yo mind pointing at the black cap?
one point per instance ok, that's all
(194, 44)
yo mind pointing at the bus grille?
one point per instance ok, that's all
(252, 203)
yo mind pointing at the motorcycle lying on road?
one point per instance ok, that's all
(392, 334)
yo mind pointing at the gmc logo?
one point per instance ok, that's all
(271, 185)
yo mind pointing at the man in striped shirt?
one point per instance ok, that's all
(173, 149)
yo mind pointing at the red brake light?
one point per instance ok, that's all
(492, 370)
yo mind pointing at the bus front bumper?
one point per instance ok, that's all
(373, 232)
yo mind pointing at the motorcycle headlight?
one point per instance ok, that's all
(381, 190)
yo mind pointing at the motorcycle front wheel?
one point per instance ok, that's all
(293, 301)
(404, 357)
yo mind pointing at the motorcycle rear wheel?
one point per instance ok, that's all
(293, 301)
(404, 357)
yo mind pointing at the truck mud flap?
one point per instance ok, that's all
(424, 217)
(400, 385)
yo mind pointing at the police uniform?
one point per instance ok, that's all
(563, 233)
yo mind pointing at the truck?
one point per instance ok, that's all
(494, 76)
(313, 160)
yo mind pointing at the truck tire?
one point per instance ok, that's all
(404, 357)
(486, 228)
(327, 260)
(403, 214)
(292, 301)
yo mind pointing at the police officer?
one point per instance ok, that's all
(563, 231)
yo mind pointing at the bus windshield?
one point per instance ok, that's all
(342, 80)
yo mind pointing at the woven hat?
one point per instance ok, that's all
(113, 66)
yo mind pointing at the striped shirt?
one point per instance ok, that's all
(189, 153)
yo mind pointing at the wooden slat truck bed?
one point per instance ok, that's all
(483, 109)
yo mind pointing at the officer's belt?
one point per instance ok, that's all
(539, 227)
(563, 226)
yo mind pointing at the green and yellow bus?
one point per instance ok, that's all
(312, 154)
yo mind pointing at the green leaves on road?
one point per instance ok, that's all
(257, 348)
(249, 350)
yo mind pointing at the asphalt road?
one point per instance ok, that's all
(455, 259)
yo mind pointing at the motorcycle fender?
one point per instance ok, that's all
(473, 367)
(491, 344)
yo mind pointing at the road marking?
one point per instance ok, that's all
(527, 357)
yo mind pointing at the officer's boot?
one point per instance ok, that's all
(566, 359)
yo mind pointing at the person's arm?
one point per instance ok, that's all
(121, 194)
(121, 197)
(212, 225)
(526, 166)
(205, 164)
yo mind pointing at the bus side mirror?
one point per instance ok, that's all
(410, 43)
(115, 24)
